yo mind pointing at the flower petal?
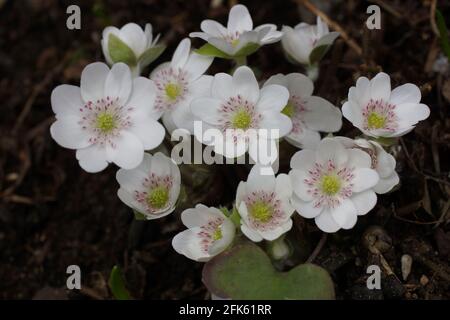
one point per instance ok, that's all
(222, 86)
(407, 93)
(322, 115)
(133, 35)
(181, 54)
(380, 87)
(149, 131)
(345, 214)
(66, 100)
(305, 208)
(386, 184)
(207, 109)
(364, 179)
(257, 181)
(326, 223)
(359, 159)
(299, 186)
(188, 243)
(303, 160)
(142, 98)
(213, 28)
(352, 112)
(118, 83)
(364, 201)
(239, 19)
(300, 85)
(127, 152)
(93, 80)
(411, 113)
(245, 84)
(274, 120)
(330, 149)
(197, 65)
(68, 133)
(304, 138)
(92, 159)
(199, 216)
(273, 97)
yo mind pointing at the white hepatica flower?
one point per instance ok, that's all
(309, 114)
(209, 233)
(382, 162)
(239, 32)
(109, 118)
(263, 204)
(333, 184)
(379, 112)
(152, 188)
(243, 113)
(131, 45)
(304, 39)
(178, 82)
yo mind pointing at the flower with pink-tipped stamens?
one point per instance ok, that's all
(209, 233)
(152, 188)
(109, 118)
(379, 112)
(263, 204)
(333, 184)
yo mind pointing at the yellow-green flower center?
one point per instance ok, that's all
(106, 122)
(376, 121)
(234, 43)
(158, 197)
(330, 184)
(261, 211)
(289, 109)
(173, 90)
(242, 120)
(217, 234)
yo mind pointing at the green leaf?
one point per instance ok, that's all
(211, 51)
(245, 272)
(247, 50)
(151, 55)
(235, 217)
(318, 53)
(139, 216)
(120, 52)
(117, 284)
(443, 33)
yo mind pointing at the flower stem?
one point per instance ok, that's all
(240, 61)
(312, 71)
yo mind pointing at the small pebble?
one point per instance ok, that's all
(406, 261)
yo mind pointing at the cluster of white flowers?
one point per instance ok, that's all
(114, 116)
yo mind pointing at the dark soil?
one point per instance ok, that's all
(53, 214)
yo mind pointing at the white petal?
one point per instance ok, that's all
(222, 86)
(228, 231)
(305, 208)
(149, 131)
(188, 244)
(407, 93)
(201, 87)
(345, 214)
(222, 45)
(128, 151)
(283, 187)
(273, 97)
(199, 216)
(364, 201)
(330, 149)
(411, 113)
(362, 91)
(352, 112)
(66, 100)
(213, 28)
(274, 120)
(385, 162)
(127, 198)
(92, 159)
(364, 179)
(68, 133)
(300, 85)
(148, 31)
(326, 223)
(245, 83)
(380, 87)
(263, 150)
(298, 178)
(239, 19)
(257, 181)
(359, 159)
(197, 65)
(303, 160)
(181, 54)
(251, 234)
(119, 82)
(161, 165)
(142, 98)
(105, 38)
(207, 109)
(327, 39)
(322, 115)
(201, 35)
(133, 35)
(183, 117)
(386, 184)
(305, 138)
(93, 80)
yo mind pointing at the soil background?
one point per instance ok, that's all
(53, 214)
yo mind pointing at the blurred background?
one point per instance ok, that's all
(53, 214)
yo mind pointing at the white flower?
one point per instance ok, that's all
(379, 112)
(304, 39)
(382, 162)
(152, 188)
(178, 82)
(131, 45)
(109, 118)
(263, 204)
(333, 184)
(239, 32)
(239, 109)
(309, 114)
(209, 233)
